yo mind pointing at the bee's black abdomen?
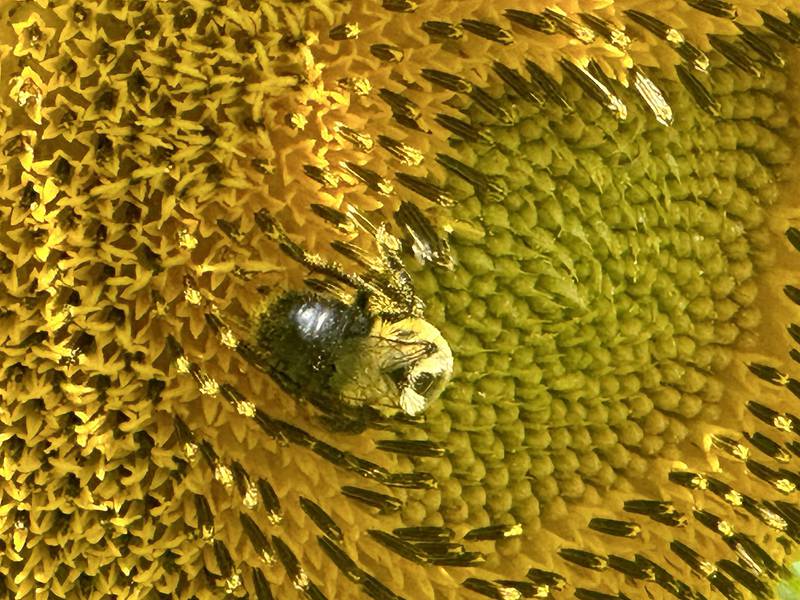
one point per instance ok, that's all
(303, 334)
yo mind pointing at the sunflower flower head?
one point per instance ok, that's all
(556, 245)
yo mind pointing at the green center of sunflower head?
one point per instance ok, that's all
(595, 301)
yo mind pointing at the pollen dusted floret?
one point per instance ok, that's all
(597, 272)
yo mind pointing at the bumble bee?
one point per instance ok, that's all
(320, 346)
(353, 356)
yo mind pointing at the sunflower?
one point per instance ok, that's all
(595, 204)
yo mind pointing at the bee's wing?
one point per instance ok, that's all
(399, 353)
(339, 410)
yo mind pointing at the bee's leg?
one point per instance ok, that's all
(397, 283)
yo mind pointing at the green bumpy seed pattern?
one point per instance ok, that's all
(594, 304)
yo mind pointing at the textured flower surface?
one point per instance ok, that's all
(597, 206)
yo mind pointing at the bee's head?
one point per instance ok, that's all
(415, 361)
